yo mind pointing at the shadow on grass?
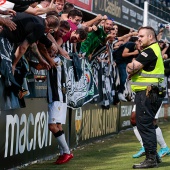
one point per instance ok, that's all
(114, 152)
(164, 164)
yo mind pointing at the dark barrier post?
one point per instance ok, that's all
(69, 126)
(124, 115)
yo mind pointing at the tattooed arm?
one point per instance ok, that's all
(47, 54)
(37, 54)
(134, 67)
(19, 53)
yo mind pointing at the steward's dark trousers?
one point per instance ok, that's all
(146, 110)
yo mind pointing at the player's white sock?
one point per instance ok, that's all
(136, 132)
(62, 142)
(160, 138)
(134, 108)
(61, 150)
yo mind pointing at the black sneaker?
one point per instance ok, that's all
(148, 163)
(158, 159)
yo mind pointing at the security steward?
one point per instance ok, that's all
(146, 74)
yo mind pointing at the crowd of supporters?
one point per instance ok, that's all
(47, 28)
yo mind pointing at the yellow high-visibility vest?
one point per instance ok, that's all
(142, 79)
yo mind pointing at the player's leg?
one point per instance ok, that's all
(164, 150)
(57, 113)
(160, 139)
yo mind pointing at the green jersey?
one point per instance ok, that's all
(94, 39)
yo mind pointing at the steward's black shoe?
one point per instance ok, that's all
(158, 159)
(148, 163)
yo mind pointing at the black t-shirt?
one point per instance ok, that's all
(22, 5)
(148, 59)
(132, 47)
(117, 54)
(20, 8)
(29, 27)
(24, 2)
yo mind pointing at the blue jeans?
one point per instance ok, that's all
(123, 76)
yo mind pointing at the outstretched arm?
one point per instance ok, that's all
(58, 44)
(46, 54)
(39, 11)
(126, 37)
(37, 54)
(95, 20)
(126, 53)
(20, 51)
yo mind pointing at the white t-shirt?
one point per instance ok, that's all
(42, 15)
(7, 5)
